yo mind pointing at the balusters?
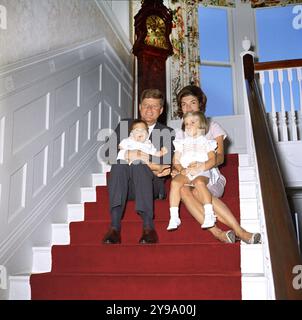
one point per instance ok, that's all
(294, 136)
(262, 82)
(283, 124)
(274, 115)
(299, 77)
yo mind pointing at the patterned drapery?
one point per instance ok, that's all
(218, 3)
(271, 3)
(185, 60)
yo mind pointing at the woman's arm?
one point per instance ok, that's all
(219, 151)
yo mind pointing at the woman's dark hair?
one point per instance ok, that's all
(195, 91)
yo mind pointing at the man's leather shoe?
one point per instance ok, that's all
(113, 236)
(148, 236)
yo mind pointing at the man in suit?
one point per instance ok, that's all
(143, 180)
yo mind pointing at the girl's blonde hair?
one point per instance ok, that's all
(203, 121)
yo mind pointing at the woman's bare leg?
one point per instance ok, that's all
(196, 210)
(200, 184)
(225, 216)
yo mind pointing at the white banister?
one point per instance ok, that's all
(299, 120)
(285, 116)
(274, 115)
(299, 76)
(262, 82)
(292, 117)
(283, 123)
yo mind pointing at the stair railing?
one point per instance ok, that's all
(283, 247)
(281, 87)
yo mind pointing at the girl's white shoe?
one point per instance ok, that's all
(209, 220)
(174, 223)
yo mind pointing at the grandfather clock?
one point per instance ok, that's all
(153, 24)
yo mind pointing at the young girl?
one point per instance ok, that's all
(193, 147)
(138, 140)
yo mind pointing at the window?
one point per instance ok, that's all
(216, 71)
(279, 32)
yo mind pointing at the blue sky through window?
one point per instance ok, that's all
(216, 81)
(217, 84)
(213, 34)
(280, 38)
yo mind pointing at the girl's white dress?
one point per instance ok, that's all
(196, 149)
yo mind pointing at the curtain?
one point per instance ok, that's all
(185, 41)
(271, 3)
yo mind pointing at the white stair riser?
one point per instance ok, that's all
(41, 259)
(251, 225)
(75, 212)
(254, 288)
(252, 258)
(247, 174)
(99, 179)
(249, 209)
(244, 160)
(19, 288)
(60, 234)
(88, 195)
(247, 190)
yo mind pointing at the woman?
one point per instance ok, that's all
(191, 98)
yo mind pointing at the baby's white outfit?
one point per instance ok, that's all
(130, 144)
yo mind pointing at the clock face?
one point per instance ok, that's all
(156, 32)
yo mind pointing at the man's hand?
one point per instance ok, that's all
(184, 171)
(165, 170)
(132, 155)
(174, 172)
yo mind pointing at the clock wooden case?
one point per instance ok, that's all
(153, 24)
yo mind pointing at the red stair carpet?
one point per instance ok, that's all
(188, 264)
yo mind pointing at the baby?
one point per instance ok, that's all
(193, 147)
(138, 140)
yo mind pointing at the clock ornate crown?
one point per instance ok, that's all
(153, 24)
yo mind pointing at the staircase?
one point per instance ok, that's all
(186, 264)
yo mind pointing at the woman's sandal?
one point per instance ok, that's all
(226, 237)
(231, 237)
(254, 239)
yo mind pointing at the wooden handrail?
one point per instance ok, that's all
(284, 250)
(283, 64)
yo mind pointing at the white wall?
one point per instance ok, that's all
(51, 110)
(290, 158)
(38, 26)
